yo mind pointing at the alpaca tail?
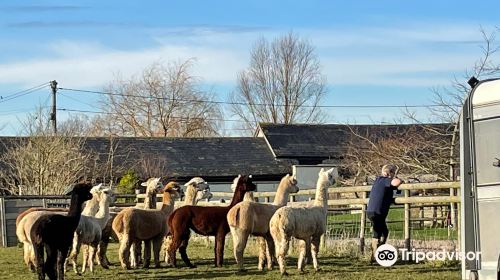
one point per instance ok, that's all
(233, 217)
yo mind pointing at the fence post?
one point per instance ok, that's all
(3, 222)
(407, 222)
(453, 216)
(362, 226)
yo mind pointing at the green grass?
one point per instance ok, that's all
(332, 267)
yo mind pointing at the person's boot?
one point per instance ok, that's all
(382, 240)
(375, 244)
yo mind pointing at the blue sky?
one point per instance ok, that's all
(372, 52)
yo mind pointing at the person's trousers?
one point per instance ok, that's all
(380, 230)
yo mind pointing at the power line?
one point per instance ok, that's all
(21, 93)
(129, 114)
(255, 104)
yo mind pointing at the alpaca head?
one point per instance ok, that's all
(327, 176)
(198, 183)
(289, 183)
(245, 184)
(81, 191)
(106, 196)
(204, 194)
(96, 189)
(174, 189)
(153, 185)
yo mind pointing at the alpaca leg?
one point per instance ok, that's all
(167, 242)
(262, 252)
(91, 256)
(61, 259)
(270, 252)
(102, 260)
(85, 255)
(308, 259)
(74, 254)
(124, 252)
(51, 263)
(27, 253)
(156, 250)
(240, 238)
(283, 251)
(305, 245)
(315, 250)
(134, 251)
(220, 239)
(172, 248)
(147, 254)
(40, 267)
(183, 252)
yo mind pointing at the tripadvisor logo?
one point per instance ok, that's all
(386, 255)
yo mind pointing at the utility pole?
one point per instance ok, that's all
(53, 85)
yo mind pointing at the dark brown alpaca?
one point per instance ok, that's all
(55, 232)
(204, 220)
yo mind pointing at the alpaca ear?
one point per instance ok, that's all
(322, 170)
(144, 184)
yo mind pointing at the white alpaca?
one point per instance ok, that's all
(304, 223)
(89, 232)
(248, 217)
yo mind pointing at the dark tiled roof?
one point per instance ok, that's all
(322, 141)
(188, 157)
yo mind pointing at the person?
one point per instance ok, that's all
(379, 202)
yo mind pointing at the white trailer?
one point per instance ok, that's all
(480, 180)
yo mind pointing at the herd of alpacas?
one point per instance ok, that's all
(53, 237)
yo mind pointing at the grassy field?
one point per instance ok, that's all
(332, 265)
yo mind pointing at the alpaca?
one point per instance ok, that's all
(89, 232)
(247, 218)
(26, 219)
(153, 186)
(132, 225)
(54, 232)
(304, 223)
(196, 189)
(208, 221)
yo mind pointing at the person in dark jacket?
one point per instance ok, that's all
(381, 197)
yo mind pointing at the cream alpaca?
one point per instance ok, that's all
(247, 218)
(133, 225)
(304, 223)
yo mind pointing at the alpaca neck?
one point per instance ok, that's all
(237, 197)
(103, 212)
(168, 202)
(321, 198)
(75, 207)
(282, 195)
(248, 197)
(91, 207)
(150, 200)
(190, 195)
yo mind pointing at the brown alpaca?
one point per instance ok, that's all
(133, 225)
(253, 218)
(208, 221)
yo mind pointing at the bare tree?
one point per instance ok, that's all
(449, 100)
(416, 150)
(283, 84)
(165, 100)
(42, 163)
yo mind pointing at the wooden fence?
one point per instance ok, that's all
(340, 199)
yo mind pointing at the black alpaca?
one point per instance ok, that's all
(55, 232)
